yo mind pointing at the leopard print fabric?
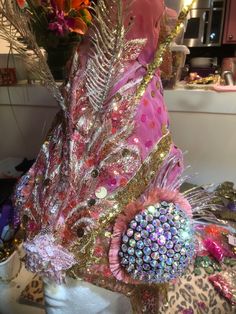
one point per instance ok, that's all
(195, 295)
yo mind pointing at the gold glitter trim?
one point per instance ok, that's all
(83, 249)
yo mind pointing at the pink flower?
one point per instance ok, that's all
(47, 258)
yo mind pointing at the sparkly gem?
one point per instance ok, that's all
(156, 223)
(101, 192)
(137, 236)
(140, 244)
(124, 248)
(138, 253)
(139, 261)
(163, 210)
(162, 250)
(170, 253)
(150, 228)
(144, 234)
(167, 235)
(173, 231)
(147, 250)
(169, 261)
(177, 257)
(161, 240)
(183, 251)
(132, 242)
(169, 244)
(147, 242)
(176, 217)
(130, 232)
(130, 268)
(164, 203)
(133, 224)
(138, 218)
(151, 209)
(177, 247)
(155, 255)
(154, 263)
(132, 259)
(125, 239)
(175, 239)
(146, 259)
(143, 223)
(153, 236)
(159, 230)
(124, 261)
(154, 247)
(149, 218)
(131, 251)
(146, 267)
(163, 218)
(166, 226)
(163, 258)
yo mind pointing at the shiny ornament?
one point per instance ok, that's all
(161, 256)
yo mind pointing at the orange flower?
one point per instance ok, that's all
(60, 4)
(78, 4)
(79, 26)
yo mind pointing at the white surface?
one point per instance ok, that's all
(9, 295)
(26, 114)
(204, 124)
(85, 298)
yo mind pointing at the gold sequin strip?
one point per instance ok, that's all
(152, 67)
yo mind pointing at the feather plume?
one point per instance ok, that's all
(15, 29)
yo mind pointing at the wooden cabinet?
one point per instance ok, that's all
(230, 23)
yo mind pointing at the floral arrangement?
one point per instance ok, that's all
(57, 22)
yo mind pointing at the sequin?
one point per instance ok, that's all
(147, 251)
(155, 255)
(130, 251)
(140, 244)
(137, 236)
(132, 243)
(161, 240)
(133, 224)
(101, 192)
(150, 228)
(130, 232)
(139, 253)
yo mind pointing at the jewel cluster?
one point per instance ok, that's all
(158, 244)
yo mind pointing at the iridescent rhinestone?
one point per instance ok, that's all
(177, 257)
(130, 232)
(162, 250)
(159, 230)
(154, 247)
(143, 223)
(176, 217)
(161, 240)
(130, 268)
(147, 250)
(175, 265)
(121, 254)
(156, 214)
(154, 263)
(170, 253)
(124, 248)
(131, 251)
(173, 231)
(125, 239)
(177, 247)
(163, 218)
(166, 226)
(133, 224)
(124, 261)
(153, 236)
(163, 258)
(177, 224)
(183, 251)
(138, 218)
(146, 267)
(163, 210)
(149, 218)
(158, 205)
(150, 228)
(137, 236)
(169, 261)
(132, 242)
(132, 259)
(144, 234)
(151, 209)
(175, 239)
(139, 261)
(166, 277)
(182, 259)
(164, 203)
(147, 242)
(169, 244)
(155, 255)
(139, 228)
(156, 223)
(146, 258)
(140, 244)
(169, 216)
(168, 235)
(139, 253)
